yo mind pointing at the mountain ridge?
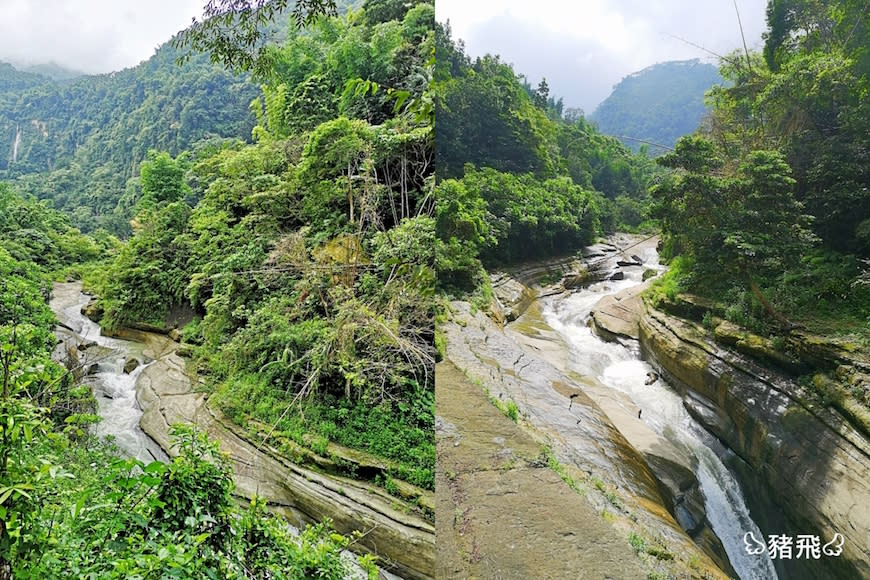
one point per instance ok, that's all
(657, 104)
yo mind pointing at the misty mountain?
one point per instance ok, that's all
(13, 81)
(660, 103)
(53, 71)
(78, 142)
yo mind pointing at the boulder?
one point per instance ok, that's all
(175, 335)
(618, 315)
(577, 279)
(86, 344)
(617, 276)
(93, 310)
(513, 297)
(130, 365)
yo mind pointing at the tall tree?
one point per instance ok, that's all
(742, 224)
(232, 30)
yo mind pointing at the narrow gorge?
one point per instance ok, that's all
(669, 437)
(143, 386)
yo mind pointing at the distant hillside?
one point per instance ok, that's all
(54, 71)
(660, 104)
(13, 80)
(77, 142)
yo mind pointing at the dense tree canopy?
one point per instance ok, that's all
(518, 181)
(776, 197)
(80, 142)
(308, 255)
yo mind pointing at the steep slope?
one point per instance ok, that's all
(658, 104)
(77, 143)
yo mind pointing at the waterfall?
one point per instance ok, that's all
(16, 143)
(620, 367)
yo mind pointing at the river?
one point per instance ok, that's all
(114, 389)
(620, 368)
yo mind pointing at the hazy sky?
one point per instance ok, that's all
(584, 47)
(93, 36)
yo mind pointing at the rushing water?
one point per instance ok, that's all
(114, 389)
(620, 367)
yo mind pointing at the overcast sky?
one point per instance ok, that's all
(94, 36)
(584, 47)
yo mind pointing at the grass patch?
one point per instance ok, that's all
(508, 408)
(670, 284)
(551, 462)
(398, 431)
(642, 546)
(637, 542)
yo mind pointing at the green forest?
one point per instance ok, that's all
(658, 104)
(543, 185)
(296, 192)
(80, 142)
(766, 207)
(288, 210)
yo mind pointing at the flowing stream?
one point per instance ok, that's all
(620, 367)
(114, 389)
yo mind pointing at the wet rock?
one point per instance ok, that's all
(617, 276)
(130, 365)
(185, 350)
(175, 335)
(93, 310)
(807, 459)
(756, 346)
(618, 315)
(624, 264)
(577, 279)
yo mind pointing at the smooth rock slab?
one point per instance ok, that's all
(403, 542)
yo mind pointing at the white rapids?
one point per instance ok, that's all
(620, 367)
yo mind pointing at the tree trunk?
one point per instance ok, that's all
(767, 307)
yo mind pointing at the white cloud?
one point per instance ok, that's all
(584, 48)
(90, 35)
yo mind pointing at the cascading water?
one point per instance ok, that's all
(114, 389)
(620, 367)
(15, 144)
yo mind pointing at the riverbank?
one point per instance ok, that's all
(804, 465)
(403, 540)
(521, 366)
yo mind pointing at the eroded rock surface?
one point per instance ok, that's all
(582, 435)
(805, 458)
(501, 512)
(404, 541)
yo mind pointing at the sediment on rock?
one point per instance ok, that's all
(585, 439)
